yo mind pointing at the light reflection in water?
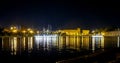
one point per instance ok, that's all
(85, 42)
(97, 42)
(73, 42)
(37, 41)
(60, 45)
(2, 44)
(118, 40)
(67, 41)
(46, 42)
(78, 43)
(102, 42)
(24, 43)
(30, 44)
(93, 44)
(13, 45)
(54, 42)
(16, 44)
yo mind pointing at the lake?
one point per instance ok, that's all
(52, 48)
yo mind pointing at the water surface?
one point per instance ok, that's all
(52, 49)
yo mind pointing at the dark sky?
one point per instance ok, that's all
(60, 14)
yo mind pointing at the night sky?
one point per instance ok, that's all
(60, 14)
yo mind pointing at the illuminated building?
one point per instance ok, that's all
(70, 31)
(112, 33)
(13, 29)
(85, 32)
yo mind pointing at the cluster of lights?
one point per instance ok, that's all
(43, 36)
(30, 30)
(97, 36)
(15, 30)
(23, 31)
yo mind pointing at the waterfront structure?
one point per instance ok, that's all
(85, 32)
(112, 33)
(70, 31)
(26, 31)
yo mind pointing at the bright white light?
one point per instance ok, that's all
(93, 44)
(38, 38)
(42, 38)
(97, 36)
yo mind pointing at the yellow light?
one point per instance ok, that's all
(14, 31)
(31, 31)
(28, 29)
(11, 28)
(103, 33)
(24, 31)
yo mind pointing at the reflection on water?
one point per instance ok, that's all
(118, 42)
(86, 42)
(13, 44)
(97, 42)
(102, 42)
(30, 43)
(17, 45)
(23, 43)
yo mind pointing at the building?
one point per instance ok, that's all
(85, 32)
(70, 31)
(112, 33)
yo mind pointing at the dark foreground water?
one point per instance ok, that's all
(51, 49)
